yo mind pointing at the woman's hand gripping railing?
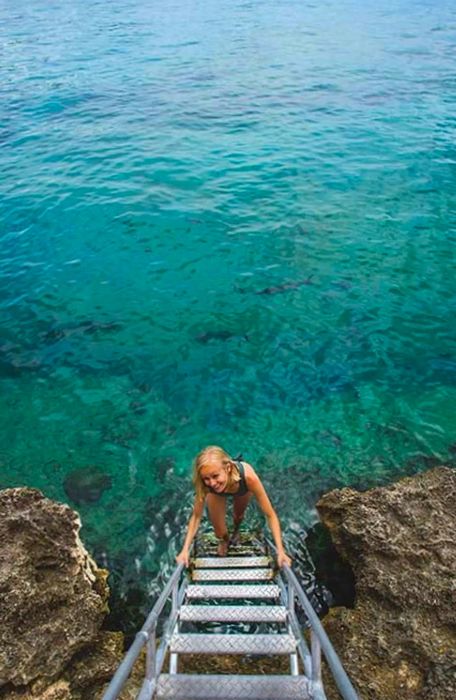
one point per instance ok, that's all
(145, 636)
(319, 639)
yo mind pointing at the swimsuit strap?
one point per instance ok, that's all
(242, 484)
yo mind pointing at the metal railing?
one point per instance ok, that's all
(320, 641)
(147, 636)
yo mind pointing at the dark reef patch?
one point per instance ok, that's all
(86, 485)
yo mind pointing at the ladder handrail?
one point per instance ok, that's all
(124, 670)
(340, 676)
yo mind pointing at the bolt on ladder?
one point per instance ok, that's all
(238, 590)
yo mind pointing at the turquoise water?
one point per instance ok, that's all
(231, 223)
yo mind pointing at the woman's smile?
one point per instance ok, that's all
(214, 477)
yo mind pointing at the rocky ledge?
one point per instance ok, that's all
(53, 600)
(399, 640)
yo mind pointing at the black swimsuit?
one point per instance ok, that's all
(242, 490)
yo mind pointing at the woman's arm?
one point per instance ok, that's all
(256, 487)
(193, 525)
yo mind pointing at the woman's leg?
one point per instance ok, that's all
(216, 506)
(240, 504)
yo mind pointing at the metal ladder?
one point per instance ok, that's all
(216, 583)
(238, 590)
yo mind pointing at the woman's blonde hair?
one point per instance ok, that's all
(206, 456)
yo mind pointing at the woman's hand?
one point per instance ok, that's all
(283, 559)
(183, 557)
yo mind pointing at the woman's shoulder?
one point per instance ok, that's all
(250, 474)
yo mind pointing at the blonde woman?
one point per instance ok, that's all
(217, 476)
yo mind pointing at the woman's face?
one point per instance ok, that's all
(214, 475)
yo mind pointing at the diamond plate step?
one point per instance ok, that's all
(232, 643)
(211, 687)
(233, 613)
(220, 562)
(212, 591)
(239, 550)
(232, 574)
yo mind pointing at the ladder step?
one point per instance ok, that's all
(220, 562)
(212, 687)
(233, 613)
(232, 643)
(232, 574)
(236, 549)
(268, 590)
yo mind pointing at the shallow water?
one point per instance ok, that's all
(231, 223)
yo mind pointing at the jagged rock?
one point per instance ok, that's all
(94, 667)
(60, 690)
(53, 600)
(133, 684)
(399, 642)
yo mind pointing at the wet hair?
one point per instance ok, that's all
(207, 456)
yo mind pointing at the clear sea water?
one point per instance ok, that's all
(226, 222)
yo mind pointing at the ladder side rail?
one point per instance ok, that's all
(283, 592)
(118, 681)
(302, 647)
(153, 616)
(164, 642)
(147, 690)
(317, 683)
(294, 657)
(169, 627)
(174, 624)
(151, 655)
(340, 676)
(150, 680)
(316, 657)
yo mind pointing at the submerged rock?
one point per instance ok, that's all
(56, 333)
(222, 335)
(286, 286)
(53, 601)
(86, 485)
(400, 639)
